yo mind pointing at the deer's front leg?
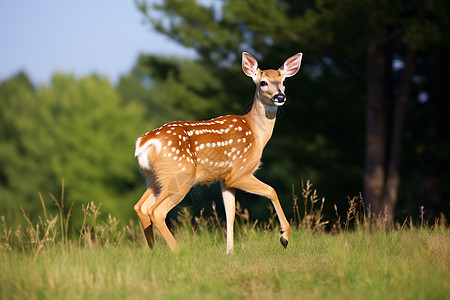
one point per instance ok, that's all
(228, 195)
(252, 185)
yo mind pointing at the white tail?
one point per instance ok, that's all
(180, 154)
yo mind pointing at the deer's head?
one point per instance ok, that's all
(270, 83)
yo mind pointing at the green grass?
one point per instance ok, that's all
(362, 259)
(407, 264)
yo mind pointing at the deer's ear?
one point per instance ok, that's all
(249, 65)
(291, 65)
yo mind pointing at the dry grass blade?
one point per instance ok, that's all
(63, 217)
(5, 242)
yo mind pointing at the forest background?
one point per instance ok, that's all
(368, 112)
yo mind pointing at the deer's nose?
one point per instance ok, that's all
(280, 97)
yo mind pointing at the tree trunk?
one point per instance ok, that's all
(375, 158)
(383, 150)
(398, 123)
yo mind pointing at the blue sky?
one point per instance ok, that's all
(77, 37)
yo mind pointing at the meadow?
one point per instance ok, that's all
(359, 258)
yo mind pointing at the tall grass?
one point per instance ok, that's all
(51, 231)
(354, 255)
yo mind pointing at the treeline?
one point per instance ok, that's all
(74, 130)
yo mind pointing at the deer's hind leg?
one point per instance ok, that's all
(141, 208)
(171, 194)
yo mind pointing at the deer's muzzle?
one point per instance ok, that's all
(279, 99)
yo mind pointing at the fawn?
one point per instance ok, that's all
(180, 154)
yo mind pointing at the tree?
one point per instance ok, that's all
(18, 180)
(76, 130)
(358, 53)
(167, 87)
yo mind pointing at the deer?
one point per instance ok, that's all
(228, 149)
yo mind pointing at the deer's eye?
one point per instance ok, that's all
(263, 83)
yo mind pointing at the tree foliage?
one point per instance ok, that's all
(76, 130)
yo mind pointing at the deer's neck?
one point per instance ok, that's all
(262, 119)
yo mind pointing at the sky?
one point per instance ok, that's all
(79, 37)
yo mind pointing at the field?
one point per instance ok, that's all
(105, 261)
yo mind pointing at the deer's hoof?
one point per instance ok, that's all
(284, 242)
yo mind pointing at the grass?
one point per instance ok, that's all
(107, 261)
